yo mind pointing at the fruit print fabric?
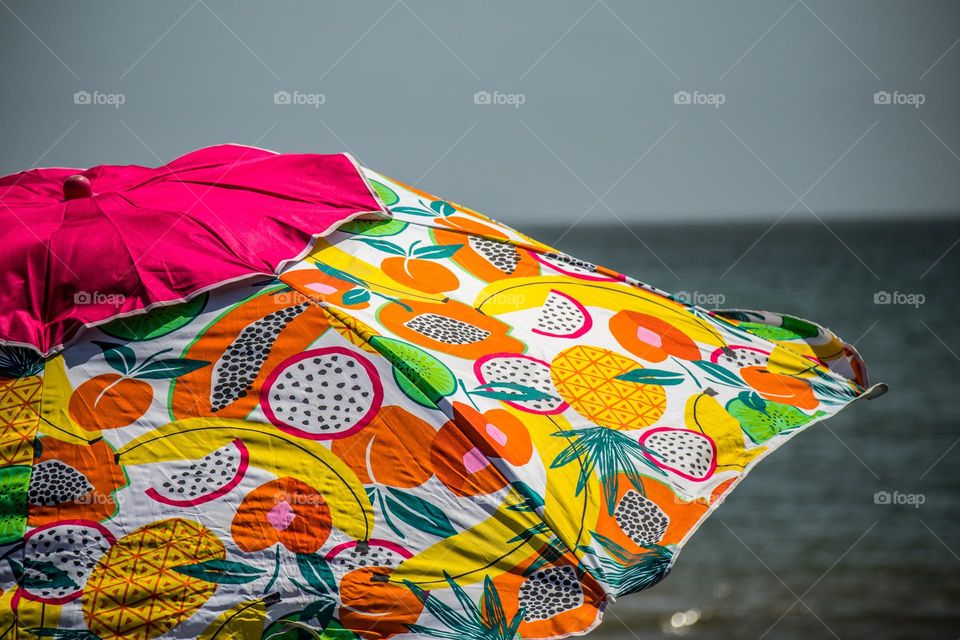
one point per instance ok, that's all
(431, 426)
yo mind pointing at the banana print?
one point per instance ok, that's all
(704, 413)
(194, 438)
(244, 620)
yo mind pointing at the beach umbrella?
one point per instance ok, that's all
(251, 395)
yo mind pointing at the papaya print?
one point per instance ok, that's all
(427, 425)
(638, 518)
(543, 592)
(449, 327)
(485, 251)
(72, 481)
(242, 347)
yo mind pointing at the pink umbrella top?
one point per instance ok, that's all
(83, 247)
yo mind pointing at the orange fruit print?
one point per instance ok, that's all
(394, 450)
(424, 275)
(110, 401)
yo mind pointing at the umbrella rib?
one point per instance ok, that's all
(245, 189)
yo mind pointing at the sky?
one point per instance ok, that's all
(533, 112)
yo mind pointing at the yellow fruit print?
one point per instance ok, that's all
(704, 414)
(586, 377)
(19, 415)
(135, 591)
(245, 620)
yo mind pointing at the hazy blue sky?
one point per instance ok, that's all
(598, 133)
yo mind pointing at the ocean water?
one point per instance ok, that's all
(803, 548)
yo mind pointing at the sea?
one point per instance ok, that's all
(852, 530)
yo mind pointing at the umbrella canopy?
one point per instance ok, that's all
(84, 246)
(430, 426)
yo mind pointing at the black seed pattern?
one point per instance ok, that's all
(329, 392)
(203, 476)
(682, 450)
(376, 556)
(53, 482)
(743, 358)
(526, 372)
(641, 519)
(234, 373)
(550, 592)
(503, 256)
(559, 315)
(446, 330)
(569, 263)
(70, 548)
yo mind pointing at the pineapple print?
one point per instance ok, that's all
(586, 377)
(19, 415)
(135, 593)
